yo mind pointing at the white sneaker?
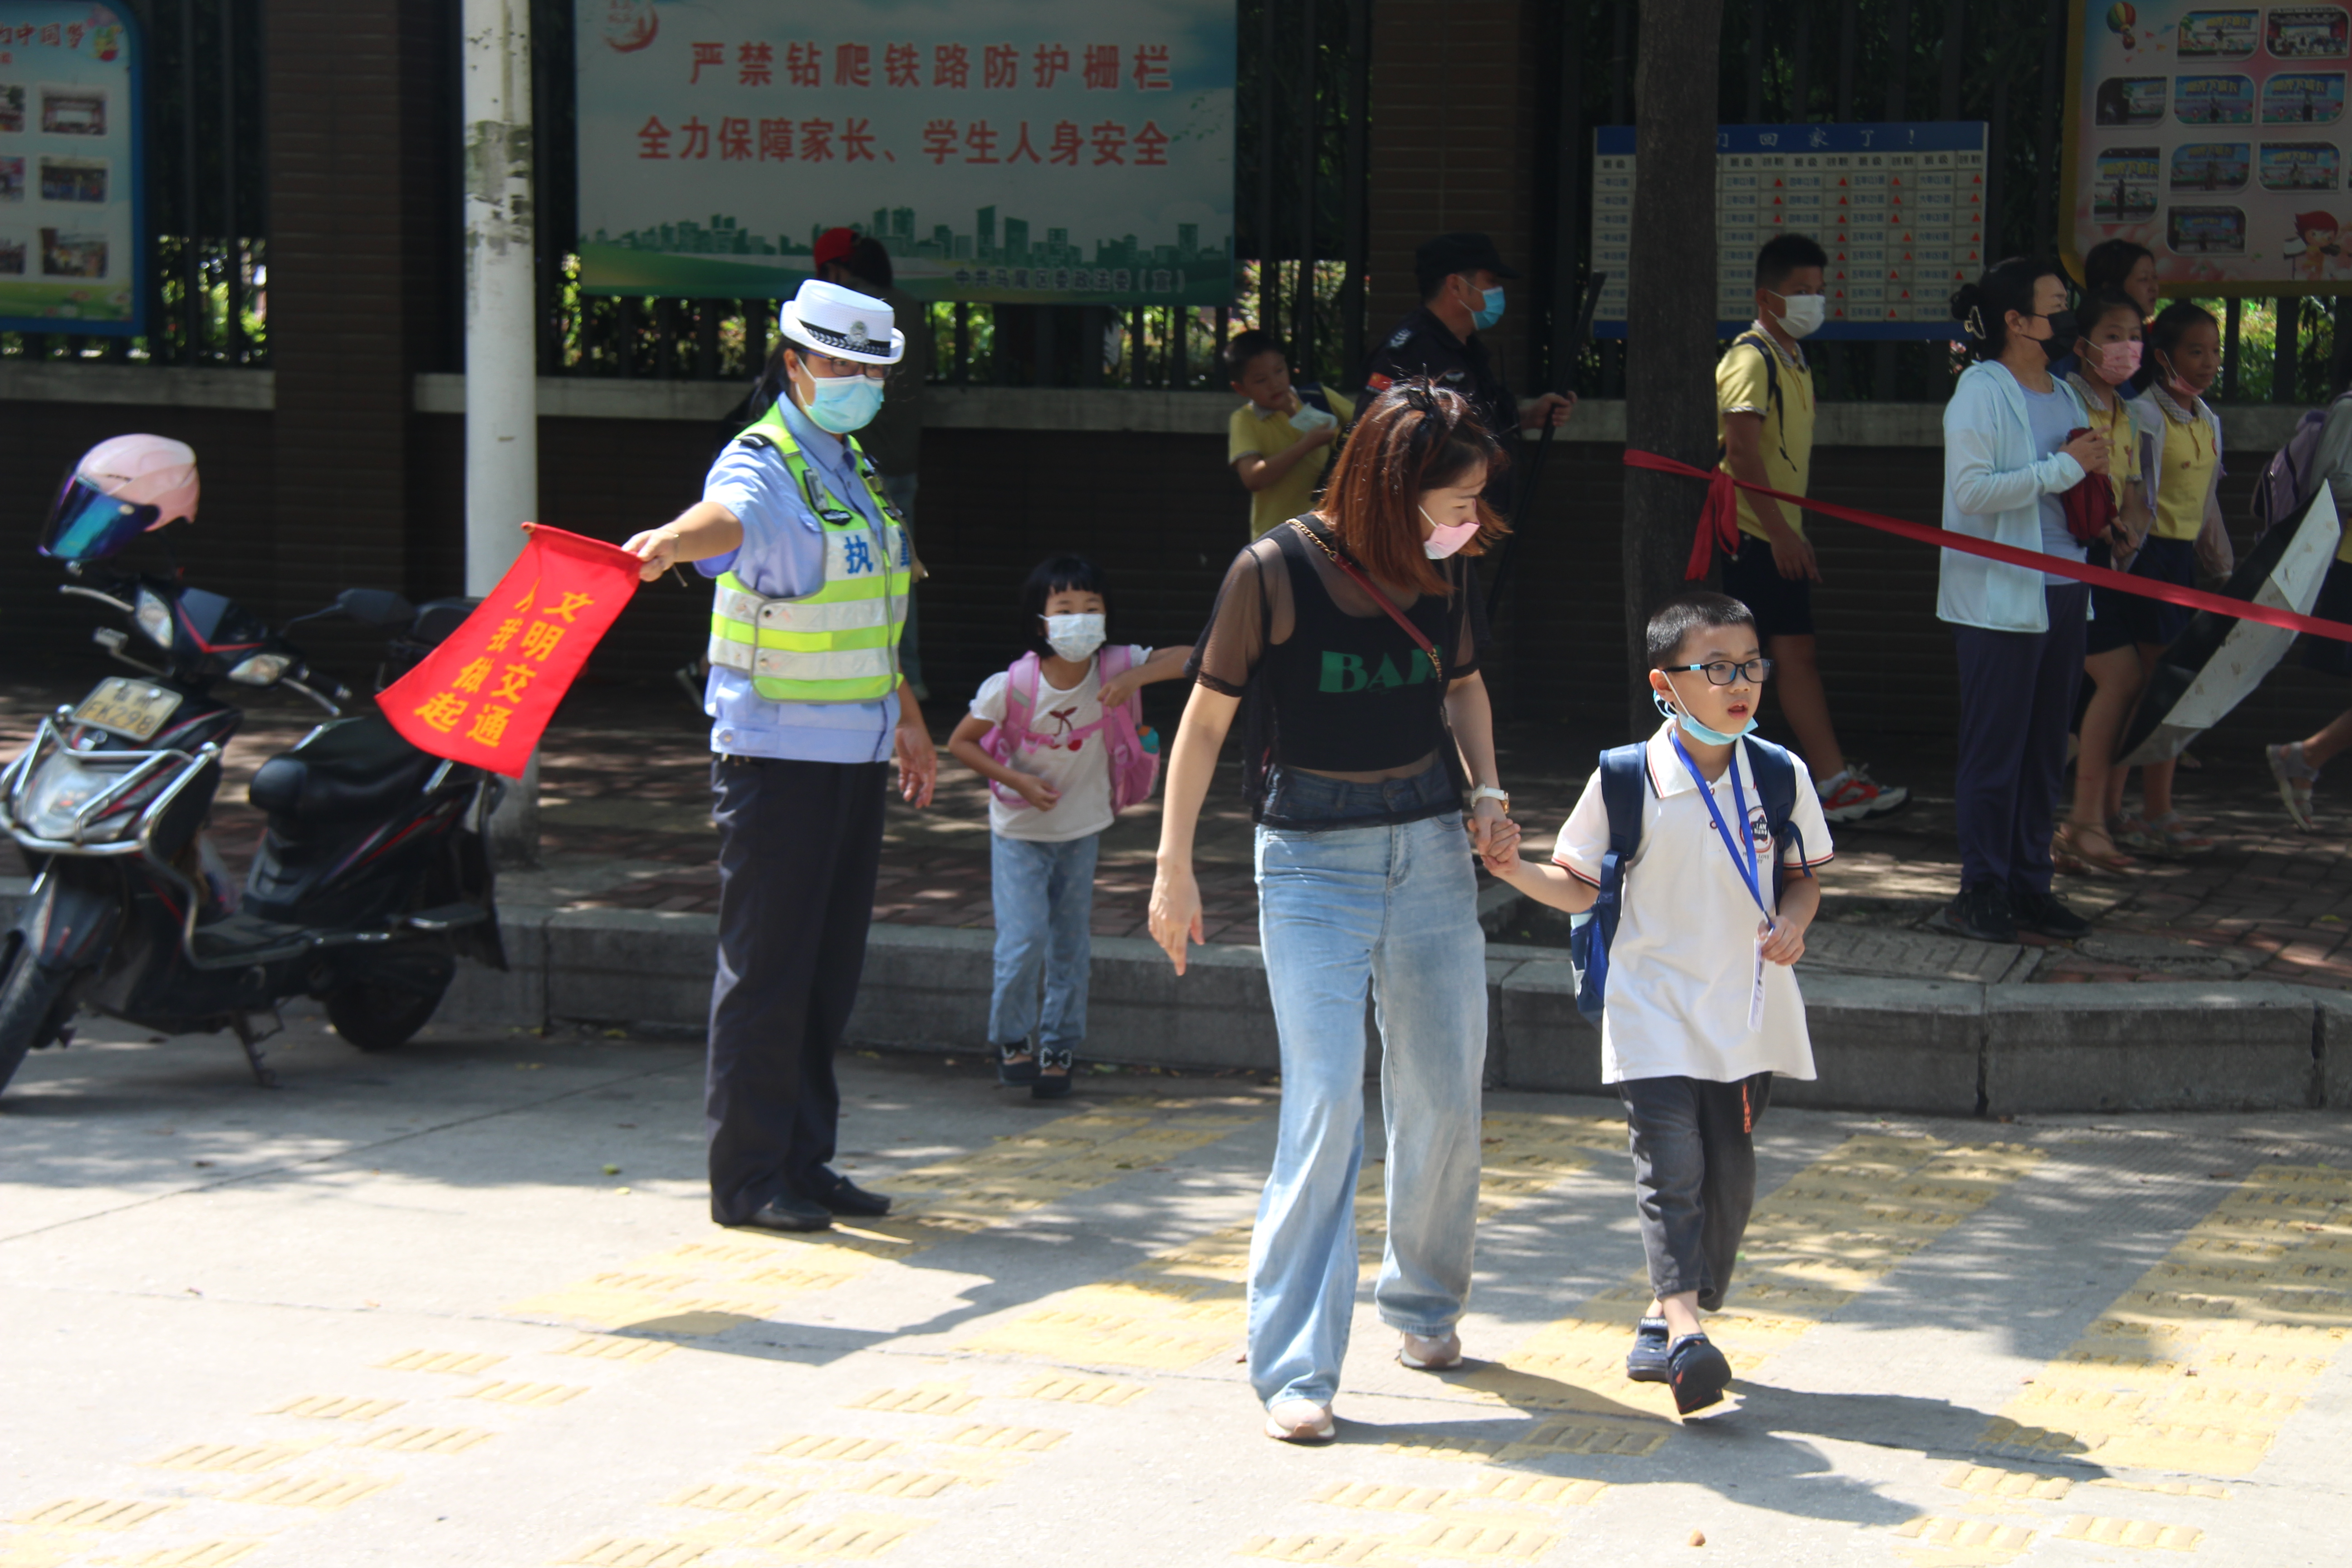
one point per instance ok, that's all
(1300, 1421)
(1441, 1354)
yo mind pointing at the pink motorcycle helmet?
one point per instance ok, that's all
(122, 488)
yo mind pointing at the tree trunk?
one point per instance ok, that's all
(1670, 307)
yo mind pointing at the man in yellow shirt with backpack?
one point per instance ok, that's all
(1764, 418)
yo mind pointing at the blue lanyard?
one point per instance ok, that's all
(1745, 864)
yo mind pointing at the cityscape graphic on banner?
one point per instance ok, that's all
(999, 253)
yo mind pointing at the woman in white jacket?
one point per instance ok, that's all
(2011, 448)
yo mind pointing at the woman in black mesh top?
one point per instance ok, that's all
(1349, 641)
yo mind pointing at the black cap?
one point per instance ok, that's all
(1450, 253)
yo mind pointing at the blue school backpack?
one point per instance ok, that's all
(1623, 778)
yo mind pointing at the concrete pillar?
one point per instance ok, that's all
(501, 365)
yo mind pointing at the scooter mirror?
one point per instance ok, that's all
(376, 607)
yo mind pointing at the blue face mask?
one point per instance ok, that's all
(844, 403)
(1487, 314)
(1694, 728)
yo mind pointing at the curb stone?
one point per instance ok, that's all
(1929, 1046)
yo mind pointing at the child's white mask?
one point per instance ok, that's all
(1074, 638)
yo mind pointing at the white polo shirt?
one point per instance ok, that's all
(1683, 960)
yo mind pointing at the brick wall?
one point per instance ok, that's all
(1454, 139)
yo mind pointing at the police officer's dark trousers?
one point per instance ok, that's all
(799, 845)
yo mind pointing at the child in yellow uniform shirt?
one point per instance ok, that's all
(1279, 442)
(2180, 468)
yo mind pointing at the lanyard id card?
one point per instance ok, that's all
(1742, 850)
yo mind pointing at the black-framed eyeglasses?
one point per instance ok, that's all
(1722, 672)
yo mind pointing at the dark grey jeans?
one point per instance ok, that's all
(1694, 1176)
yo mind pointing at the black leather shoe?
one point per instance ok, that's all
(2038, 911)
(788, 1211)
(839, 1194)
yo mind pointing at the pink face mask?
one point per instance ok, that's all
(2117, 363)
(1444, 541)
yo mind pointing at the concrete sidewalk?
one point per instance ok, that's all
(461, 1304)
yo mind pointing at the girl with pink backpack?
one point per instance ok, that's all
(1059, 739)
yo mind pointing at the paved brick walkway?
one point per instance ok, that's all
(625, 793)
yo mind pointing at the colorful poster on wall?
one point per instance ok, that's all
(2215, 136)
(1052, 151)
(72, 210)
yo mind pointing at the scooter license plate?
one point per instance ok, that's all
(133, 707)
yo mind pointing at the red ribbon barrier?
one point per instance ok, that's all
(1718, 525)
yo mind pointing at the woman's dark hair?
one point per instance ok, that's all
(2164, 335)
(2111, 261)
(2099, 305)
(1414, 436)
(1055, 575)
(1684, 614)
(1983, 308)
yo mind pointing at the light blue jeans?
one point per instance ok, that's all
(1391, 909)
(1044, 896)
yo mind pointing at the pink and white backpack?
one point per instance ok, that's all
(1133, 748)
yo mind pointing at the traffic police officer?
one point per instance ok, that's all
(1461, 278)
(809, 708)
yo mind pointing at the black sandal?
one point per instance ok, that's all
(1053, 1086)
(1012, 1074)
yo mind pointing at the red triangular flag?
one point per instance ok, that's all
(484, 696)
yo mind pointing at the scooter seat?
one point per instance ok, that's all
(349, 768)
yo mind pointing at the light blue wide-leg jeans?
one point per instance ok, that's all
(1392, 911)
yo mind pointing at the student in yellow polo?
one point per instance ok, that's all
(1764, 418)
(1281, 440)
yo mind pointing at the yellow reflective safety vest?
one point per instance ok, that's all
(839, 644)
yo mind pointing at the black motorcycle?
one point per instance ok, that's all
(372, 880)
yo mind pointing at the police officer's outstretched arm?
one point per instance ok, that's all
(701, 530)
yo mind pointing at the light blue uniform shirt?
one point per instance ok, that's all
(783, 557)
(2052, 414)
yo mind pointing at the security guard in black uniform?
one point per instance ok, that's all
(1460, 278)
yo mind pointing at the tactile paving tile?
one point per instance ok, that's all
(1384, 1496)
(1069, 1390)
(1964, 1541)
(1983, 1480)
(538, 1395)
(424, 1439)
(915, 1484)
(204, 1554)
(323, 1492)
(1004, 1439)
(236, 1458)
(606, 1347)
(1497, 1543)
(1544, 1491)
(2140, 1532)
(331, 1407)
(629, 1552)
(923, 1399)
(816, 1446)
(2196, 1366)
(1350, 1551)
(753, 1501)
(855, 1538)
(94, 1513)
(460, 1363)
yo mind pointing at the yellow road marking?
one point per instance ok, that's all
(758, 1502)
(539, 1395)
(205, 1554)
(627, 1552)
(1077, 1390)
(236, 1458)
(953, 1398)
(330, 1407)
(424, 1439)
(2131, 1532)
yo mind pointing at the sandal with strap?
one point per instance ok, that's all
(1054, 1070)
(2295, 775)
(2165, 835)
(1016, 1067)
(2078, 845)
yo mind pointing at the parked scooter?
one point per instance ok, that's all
(372, 879)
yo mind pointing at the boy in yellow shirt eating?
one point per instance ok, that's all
(1279, 442)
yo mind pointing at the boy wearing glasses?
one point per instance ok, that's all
(1701, 1008)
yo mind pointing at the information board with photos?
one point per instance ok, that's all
(2214, 136)
(72, 207)
(1898, 208)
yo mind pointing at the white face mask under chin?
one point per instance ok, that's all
(1074, 638)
